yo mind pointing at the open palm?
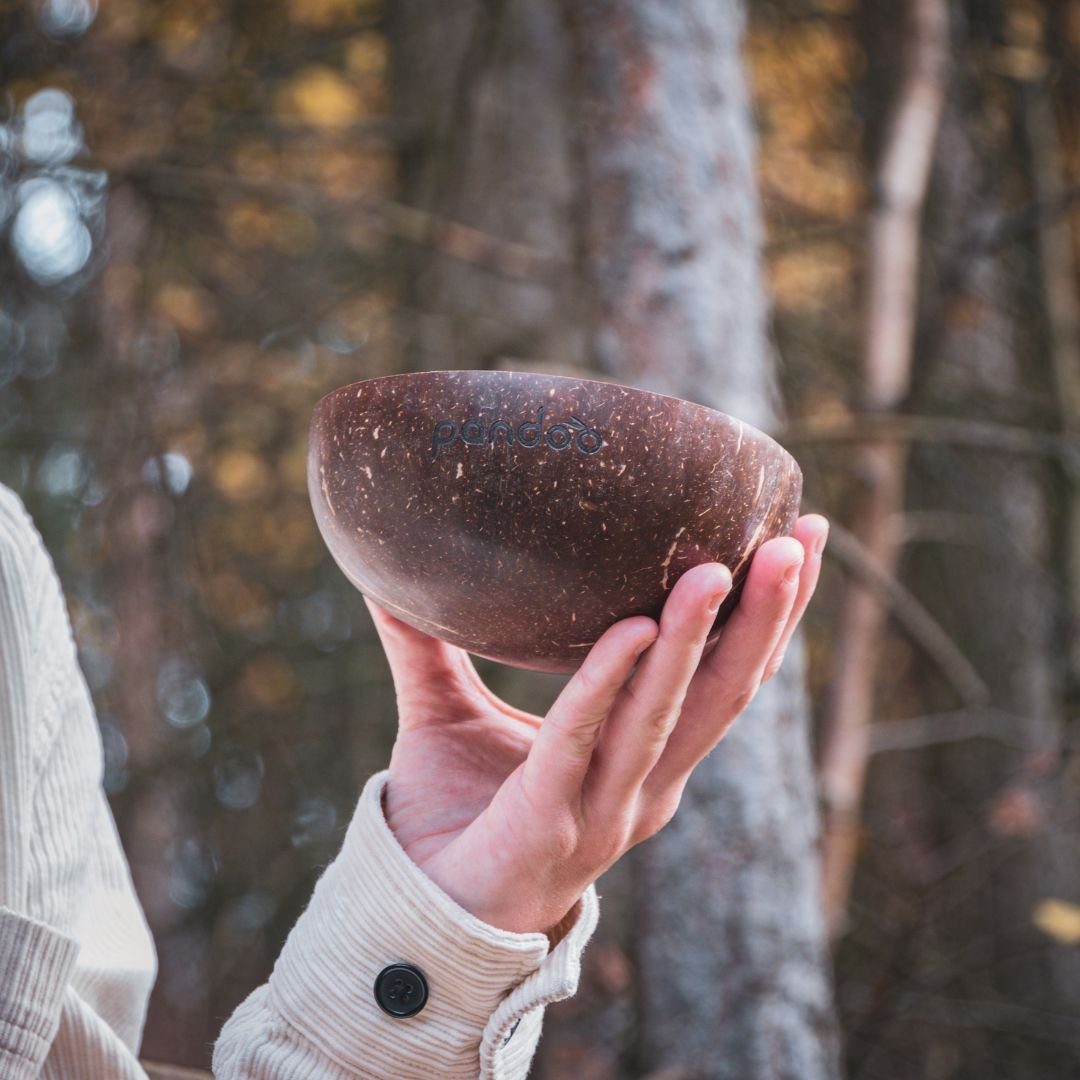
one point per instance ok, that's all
(514, 815)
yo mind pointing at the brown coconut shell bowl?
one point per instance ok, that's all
(519, 515)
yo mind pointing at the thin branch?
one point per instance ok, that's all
(934, 729)
(890, 427)
(938, 526)
(407, 223)
(1062, 310)
(994, 232)
(1000, 1016)
(906, 608)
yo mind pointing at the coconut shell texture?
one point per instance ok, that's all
(519, 515)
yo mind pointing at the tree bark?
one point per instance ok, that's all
(731, 953)
(893, 251)
(971, 838)
(479, 93)
(618, 136)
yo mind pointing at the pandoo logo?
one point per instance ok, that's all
(529, 433)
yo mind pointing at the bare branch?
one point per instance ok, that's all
(917, 732)
(1062, 308)
(889, 333)
(892, 427)
(406, 223)
(905, 607)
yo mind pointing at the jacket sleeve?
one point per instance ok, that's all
(45, 1026)
(318, 1016)
(36, 962)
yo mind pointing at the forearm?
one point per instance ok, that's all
(319, 1016)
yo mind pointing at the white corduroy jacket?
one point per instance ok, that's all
(77, 960)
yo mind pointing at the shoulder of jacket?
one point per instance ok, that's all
(30, 591)
(34, 625)
(22, 551)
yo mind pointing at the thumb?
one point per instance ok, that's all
(415, 658)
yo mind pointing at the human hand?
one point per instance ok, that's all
(514, 815)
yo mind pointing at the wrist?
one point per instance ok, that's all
(512, 900)
(501, 893)
(557, 932)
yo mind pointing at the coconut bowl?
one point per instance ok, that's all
(519, 515)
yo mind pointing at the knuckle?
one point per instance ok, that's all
(610, 844)
(741, 701)
(589, 683)
(576, 736)
(658, 719)
(656, 816)
(632, 690)
(652, 823)
(565, 839)
(657, 723)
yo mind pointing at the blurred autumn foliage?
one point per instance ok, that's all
(200, 238)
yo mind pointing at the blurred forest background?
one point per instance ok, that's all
(214, 211)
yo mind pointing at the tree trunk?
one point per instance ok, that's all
(480, 97)
(731, 951)
(617, 137)
(892, 285)
(972, 839)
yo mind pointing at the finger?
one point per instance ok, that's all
(729, 676)
(560, 756)
(647, 707)
(811, 531)
(413, 655)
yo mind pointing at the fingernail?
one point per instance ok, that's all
(819, 544)
(717, 598)
(791, 574)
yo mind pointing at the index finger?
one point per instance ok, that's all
(729, 676)
(562, 752)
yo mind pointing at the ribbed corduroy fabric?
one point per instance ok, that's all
(374, 907)
(76, 958)
(35, 965)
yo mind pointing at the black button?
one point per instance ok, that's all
(401, 990)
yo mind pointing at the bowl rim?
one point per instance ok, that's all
(747, 426)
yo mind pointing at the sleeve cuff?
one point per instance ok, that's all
(374, 907)
(36, 962)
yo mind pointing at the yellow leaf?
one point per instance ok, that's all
(295, 233)
(365, 54)
(269, 681)
(1058, 918)
(248, 223)
(808, 278)
(191, 310)
(322, 12)
(321, 97)
(241, 476)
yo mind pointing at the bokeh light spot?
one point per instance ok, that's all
(315, 820)
(50, 133)
(238, 778)
(63, 472)
(65, 18)
(49, 235)
(182, 695)
(171, 471)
